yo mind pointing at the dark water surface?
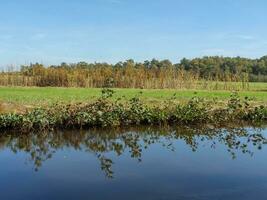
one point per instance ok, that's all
(143, 163)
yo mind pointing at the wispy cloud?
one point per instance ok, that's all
(5, 37)
(115, 1)
(235, 36)
(215, 51)
(38, 36)
(245, 37)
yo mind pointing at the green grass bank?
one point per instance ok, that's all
(45, 96)
(106, 112)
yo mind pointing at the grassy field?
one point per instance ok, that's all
(41, 96)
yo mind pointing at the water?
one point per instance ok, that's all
(143, 163)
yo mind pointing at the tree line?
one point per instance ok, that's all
(204, 73)
(211, 66)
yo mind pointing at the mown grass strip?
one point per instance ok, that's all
(46, 96)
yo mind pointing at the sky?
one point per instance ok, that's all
(55, 31)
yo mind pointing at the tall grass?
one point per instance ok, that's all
(123, 77)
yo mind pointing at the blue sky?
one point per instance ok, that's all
(53, 31)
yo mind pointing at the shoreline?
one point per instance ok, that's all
(105, 112)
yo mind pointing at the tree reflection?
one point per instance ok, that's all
(42, 146)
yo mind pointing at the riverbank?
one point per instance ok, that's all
(107, 112)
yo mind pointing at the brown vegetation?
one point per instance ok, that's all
(13, 108)
(123, 75)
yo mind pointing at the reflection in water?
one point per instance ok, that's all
(40, 147)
